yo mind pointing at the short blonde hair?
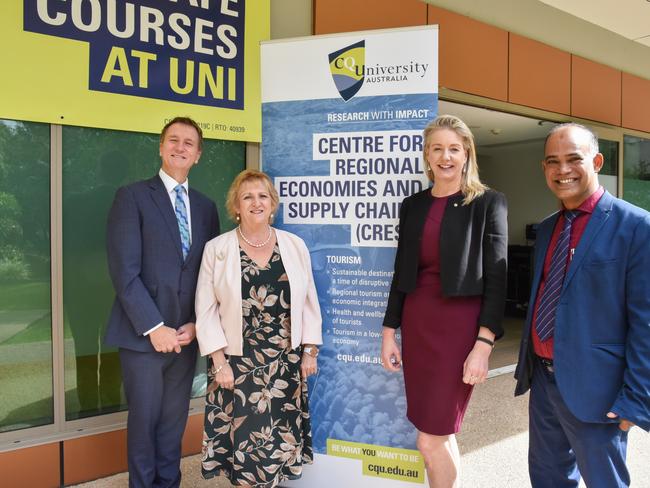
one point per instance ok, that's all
(470, 184)
(244, 177)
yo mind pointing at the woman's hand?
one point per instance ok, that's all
(391, 356)
(475, 368)
(223, 375)
(308, 365)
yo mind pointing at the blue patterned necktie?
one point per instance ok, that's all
(545, 317)
(181, 217)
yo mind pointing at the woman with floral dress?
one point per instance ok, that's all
(258, 319)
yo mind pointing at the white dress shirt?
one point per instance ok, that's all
(170, 183)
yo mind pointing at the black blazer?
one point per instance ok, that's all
(473, 253)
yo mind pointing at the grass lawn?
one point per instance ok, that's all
(24, 297)
(637, 192)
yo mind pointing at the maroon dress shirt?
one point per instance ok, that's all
(545, 349)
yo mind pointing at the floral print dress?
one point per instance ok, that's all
(259, 434)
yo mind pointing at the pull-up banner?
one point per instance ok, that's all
(342, 120)
(127, 65)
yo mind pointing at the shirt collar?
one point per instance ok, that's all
(590, 203)
(170, 183)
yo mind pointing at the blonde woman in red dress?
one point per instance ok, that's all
(447, 295)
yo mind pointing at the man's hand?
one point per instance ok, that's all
(164, 339)
(623, 424)
(186, 333)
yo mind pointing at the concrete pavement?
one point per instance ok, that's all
(493, 445)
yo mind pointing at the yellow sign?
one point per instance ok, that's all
(120, 64)
(383, 462)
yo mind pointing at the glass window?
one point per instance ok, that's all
(95, 163)
(25, 304)
(608, 175)
(636, 171)
(609, 149)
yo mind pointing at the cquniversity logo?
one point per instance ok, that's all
(347, 68)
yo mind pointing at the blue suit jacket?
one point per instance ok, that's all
(152, 282)
(602, 329)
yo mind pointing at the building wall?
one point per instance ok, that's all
(78, 460)
(536, 20)
(487, 60)
(502, 50)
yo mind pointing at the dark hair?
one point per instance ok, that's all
(591, 135)
(184, 121)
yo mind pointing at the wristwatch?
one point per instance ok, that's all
(311, 350)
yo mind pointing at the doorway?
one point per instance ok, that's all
(510, 149)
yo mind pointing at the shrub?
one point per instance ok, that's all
(13, 269)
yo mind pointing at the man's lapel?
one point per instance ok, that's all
(162, 201)
(596, 222)
(542, 241)
(197, 222)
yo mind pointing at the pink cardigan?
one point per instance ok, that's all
(219, 302)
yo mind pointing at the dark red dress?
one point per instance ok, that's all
(437, 335)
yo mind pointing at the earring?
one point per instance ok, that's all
(271, 216)
(237, 217)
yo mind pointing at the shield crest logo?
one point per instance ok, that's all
(347, 66)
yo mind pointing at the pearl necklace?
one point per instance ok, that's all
(250, 243)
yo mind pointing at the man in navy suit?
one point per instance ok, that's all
(157, 229)
(585, 350)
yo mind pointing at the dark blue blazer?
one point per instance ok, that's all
(602, 329)
(152, 282)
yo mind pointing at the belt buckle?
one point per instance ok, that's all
(547, 363)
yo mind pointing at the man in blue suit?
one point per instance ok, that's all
(157, 229)
(585, 350)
